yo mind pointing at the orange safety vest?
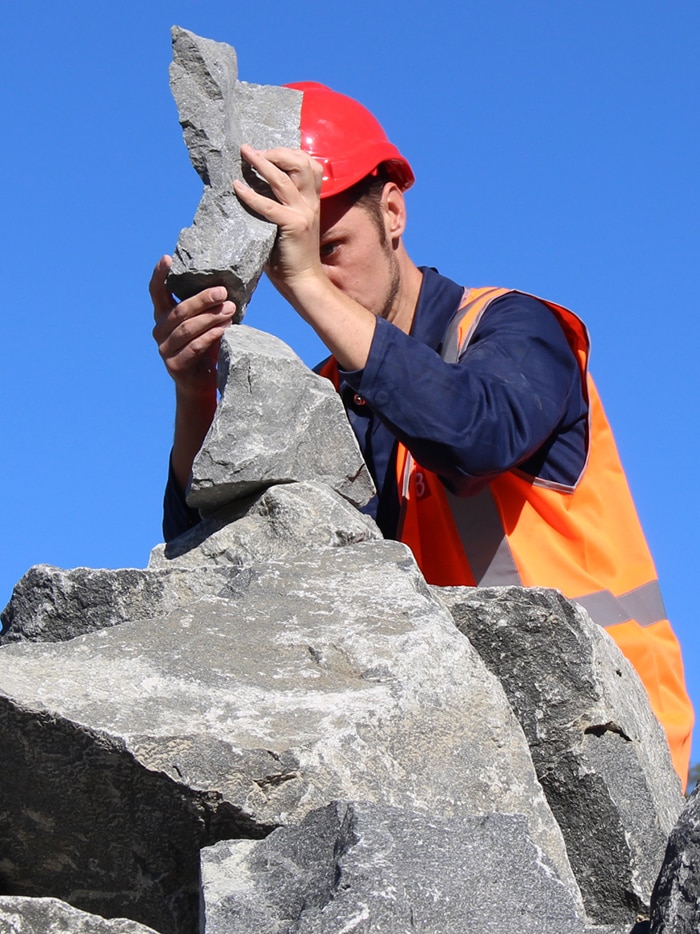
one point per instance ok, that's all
(584, 540)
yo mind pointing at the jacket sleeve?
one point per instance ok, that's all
(178, 517)
(515, 391)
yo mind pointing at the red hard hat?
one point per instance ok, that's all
(346, 139)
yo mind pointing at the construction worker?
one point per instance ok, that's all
(474, 409)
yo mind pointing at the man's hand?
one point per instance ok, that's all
(296, 268)
(188, 335)
(295, 179)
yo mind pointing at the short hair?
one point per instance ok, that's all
(367, 194)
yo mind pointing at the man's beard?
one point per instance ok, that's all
(395, 283)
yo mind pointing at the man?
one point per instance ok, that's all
(474, 410)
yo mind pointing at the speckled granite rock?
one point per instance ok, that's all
(367, 867)
(50, 604)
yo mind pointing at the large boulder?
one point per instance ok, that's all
(333, 675)
(599, 752)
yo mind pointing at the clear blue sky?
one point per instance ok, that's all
(556, 147)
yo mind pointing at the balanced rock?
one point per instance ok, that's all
(368, 867)
(282, 521)
(333, 675)
(226, 245)
(676, 898)
(276, 422)
(599, 752)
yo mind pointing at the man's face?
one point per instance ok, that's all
(357, 255)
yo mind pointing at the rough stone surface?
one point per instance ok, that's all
(50, 604)
(284, 520)
(335, 675)
(367, 867)
(51, 916)
(226, 245)
(276, 422)
(676, 898)
(600, 753)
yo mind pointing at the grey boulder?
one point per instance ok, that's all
(599, 752)
(49, 604)
(332, 675)
(676, 898)
(226, 245)
(371, 868)
(276, 422)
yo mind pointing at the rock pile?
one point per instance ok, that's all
(277, 725)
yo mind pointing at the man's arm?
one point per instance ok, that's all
(515, 397)
(295, 267)
(188, 335)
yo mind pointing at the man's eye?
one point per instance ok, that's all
(327, 249)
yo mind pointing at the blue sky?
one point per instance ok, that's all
(556, 148)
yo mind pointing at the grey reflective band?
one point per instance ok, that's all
(450, 344)
(452, 349)
(644, 604)
(485, 546)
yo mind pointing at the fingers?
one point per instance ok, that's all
(160, 296)
(185, 323)
(280, 166)
(293, 176)
(192, 363)
(173, 332)
(188, 332)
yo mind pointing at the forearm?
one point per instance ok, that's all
(193, 416)
(344, 326)
(178, 517)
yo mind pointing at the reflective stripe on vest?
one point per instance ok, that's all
(493, 565)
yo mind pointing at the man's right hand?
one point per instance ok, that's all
(188, 334)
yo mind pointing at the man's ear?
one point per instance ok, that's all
(393, 211)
